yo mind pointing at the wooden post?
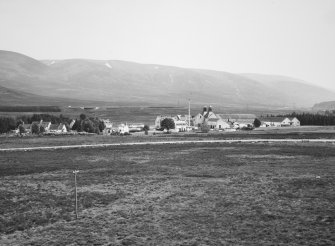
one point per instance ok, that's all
(76, 197)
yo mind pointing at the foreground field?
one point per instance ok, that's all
(203, 194)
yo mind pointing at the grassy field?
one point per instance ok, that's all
(202, 194)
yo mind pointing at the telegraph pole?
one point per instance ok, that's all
(76, 197)
(189, 112)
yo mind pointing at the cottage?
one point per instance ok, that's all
(57, 128)
(217, 124)
(136, 127)
(295, 122)
(280, 121)
(62, 128)
(123, 129)
(239, 120)
(45, 124)
(53, 128)
(180, 125)
(27, 128)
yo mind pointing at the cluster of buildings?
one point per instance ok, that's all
(279, 122)
(207, 119)
(121, 128)
(47, 127)
(227, 122)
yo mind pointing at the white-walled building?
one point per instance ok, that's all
(217, 124)
(123, 129)
(202, 118)
(280, 121)
(295, 122)
(181, 123)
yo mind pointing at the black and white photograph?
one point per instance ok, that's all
(167, 122)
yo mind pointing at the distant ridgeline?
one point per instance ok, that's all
(29, 109)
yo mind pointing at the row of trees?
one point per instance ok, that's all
(7, 124)
(11, 123)
(313, 119)
(54, 119)
(91, 125)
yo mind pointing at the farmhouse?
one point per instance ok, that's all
(46, 125)
(27, 128)
(239, 120)
(136, 127)
(123, 129)
(181, 123)
(279, 121)
(108, 127)
(295, 122)
(57, 128)
(203, 117)
(217, 124)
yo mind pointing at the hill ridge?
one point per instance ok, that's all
(131, 82)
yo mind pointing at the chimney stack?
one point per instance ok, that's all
(204, 110)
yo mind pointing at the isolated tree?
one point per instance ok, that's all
(21, 129)
(102, 125)
(167, 124)
(42, 129)
(146, 129)
(82, 116)
(19, 122)
(257, 123)
(88, 126)
(35, 128)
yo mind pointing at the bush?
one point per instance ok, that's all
(35, 128)
(257, 123)
(7, 124)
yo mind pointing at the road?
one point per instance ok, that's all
(170, 142)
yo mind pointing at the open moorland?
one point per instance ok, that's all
(191, 194)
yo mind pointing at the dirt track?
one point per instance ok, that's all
(170, 142)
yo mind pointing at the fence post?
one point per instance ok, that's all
(76, 197)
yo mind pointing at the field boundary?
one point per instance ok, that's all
(168, 142)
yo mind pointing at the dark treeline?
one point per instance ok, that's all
(29, 109)
(11, 123)
(313, 119)
(91, 125)
(7, 124)
(28, 119)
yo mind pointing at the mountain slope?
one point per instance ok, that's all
(330, 105)
(290, 89)
(10, 97)
(134, 83)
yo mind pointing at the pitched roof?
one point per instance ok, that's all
(214, 119)
(45, 124)
(272, 119)
(53, 127)
(60, 127)
(237, 116)
(27, 126)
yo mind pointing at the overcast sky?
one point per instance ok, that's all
(287, 37)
